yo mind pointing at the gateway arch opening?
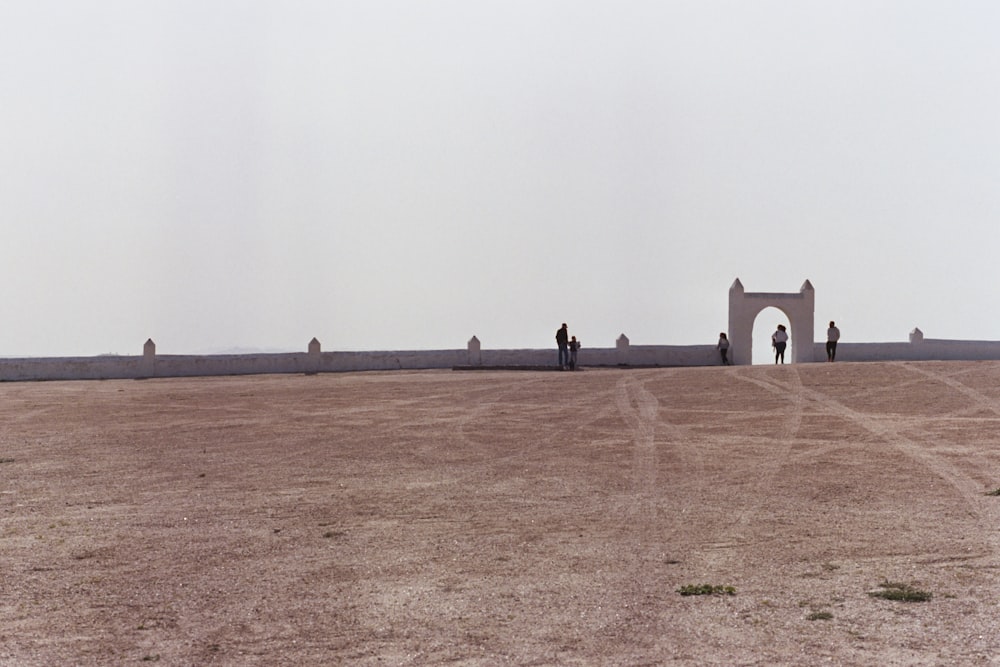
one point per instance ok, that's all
(744, 308)
(764, 326)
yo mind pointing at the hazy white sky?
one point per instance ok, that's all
(407, 174)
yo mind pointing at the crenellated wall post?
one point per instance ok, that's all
(475, 352)
(622, 350)
(315, 356)
(148, 367)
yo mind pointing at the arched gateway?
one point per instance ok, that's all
(799, 307)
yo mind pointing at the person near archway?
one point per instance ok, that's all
(832, 336)
(779, 340)
(723, 347)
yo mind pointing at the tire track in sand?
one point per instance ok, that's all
(648, 535)
(651, 435)
(740, 528)
(892, 430)
(979, 402)
(640, 409)
(976, 396)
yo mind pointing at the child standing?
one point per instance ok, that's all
(574, 345)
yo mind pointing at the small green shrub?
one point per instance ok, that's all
(900, 592)
(995, 492)
(706, 589)
(819, 616)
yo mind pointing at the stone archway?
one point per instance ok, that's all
(799, 307)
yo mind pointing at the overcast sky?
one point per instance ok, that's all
(408, 174)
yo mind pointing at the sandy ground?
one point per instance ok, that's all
(481, 518)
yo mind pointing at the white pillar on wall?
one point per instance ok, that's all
(315, 355)
(621, 350)
(149, 358)
(475, 352)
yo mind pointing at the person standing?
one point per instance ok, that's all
(779, 340)
(574, 345)
(723, 347)
(832, 336)
(562, 341)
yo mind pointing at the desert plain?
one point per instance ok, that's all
(505, 517)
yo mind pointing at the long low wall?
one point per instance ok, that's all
(924, 349)
(151, 365)
(148, 366)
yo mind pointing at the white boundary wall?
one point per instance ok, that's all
(920, 349)
(624, 354)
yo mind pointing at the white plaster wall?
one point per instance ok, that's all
(523, 357)
(637, 355)
(125, 367)
(673, 355)
(333, 362)
(957, 350)
(70, 368)
(925, 350)
(231, 364)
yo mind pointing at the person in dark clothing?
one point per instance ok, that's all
(574, 345)
(723, 347)
(779, 339)
(832, 336)
(562, 341)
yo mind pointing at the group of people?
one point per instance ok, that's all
(779, 341)
(568, 346)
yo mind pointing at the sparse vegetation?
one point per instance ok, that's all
(706, 589)
(6, 459)
(901, 592)
(459, 527)
(994, 492)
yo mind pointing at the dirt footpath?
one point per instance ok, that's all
(527, 518)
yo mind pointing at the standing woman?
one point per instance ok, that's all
(779, 339)
(723, 348)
